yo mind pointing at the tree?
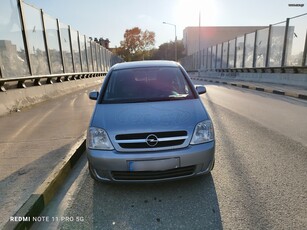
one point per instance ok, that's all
(136, 44)
(166, 51)
(148, 39)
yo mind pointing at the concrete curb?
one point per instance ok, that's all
(15, 99)
(25, 216)
(263, 89)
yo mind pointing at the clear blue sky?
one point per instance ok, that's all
(110, 19)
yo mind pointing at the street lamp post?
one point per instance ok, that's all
(175, 38)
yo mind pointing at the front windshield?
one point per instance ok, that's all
(147, 84)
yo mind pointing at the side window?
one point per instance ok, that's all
(110, 86)
(182, 84)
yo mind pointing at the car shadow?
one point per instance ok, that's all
(183, 204)
(17, 187)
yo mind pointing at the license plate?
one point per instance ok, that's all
(154, 165)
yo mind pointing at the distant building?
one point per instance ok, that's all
(6, 45)
(198, 38)
(103, 42)
(13, 63)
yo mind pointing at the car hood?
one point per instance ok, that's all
(149, 116)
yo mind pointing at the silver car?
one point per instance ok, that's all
(149, 124)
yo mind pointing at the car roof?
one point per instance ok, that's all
(144, 64)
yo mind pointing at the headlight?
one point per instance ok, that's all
(98, 139)
(203, 132)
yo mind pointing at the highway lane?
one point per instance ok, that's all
(282, 114)
(259, 181)
(33, 141)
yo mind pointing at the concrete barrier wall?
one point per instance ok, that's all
(290, 79)
(15, 99)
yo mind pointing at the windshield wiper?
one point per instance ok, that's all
(139, 100)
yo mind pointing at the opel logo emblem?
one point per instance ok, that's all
(152, 140)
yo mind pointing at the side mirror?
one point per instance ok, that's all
(201, 89)
(94, 95)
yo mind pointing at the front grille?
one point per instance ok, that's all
(145, 145)
(151, 140)
(145, 135)
(153, 175)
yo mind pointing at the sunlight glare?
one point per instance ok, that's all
(187, 13)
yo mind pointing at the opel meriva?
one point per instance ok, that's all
(149, 124)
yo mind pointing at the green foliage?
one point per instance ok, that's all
(166, 51)
(136, 44)
(139, 45)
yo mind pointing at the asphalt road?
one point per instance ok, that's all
(259, 180)
(33, 141)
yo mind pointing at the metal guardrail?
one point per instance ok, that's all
(49, 79)
(283, 69)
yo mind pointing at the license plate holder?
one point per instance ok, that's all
(154, 165)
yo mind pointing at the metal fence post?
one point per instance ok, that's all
(200, 59)
(215, 58)
(203, 58)
(101, 57)
(211, 55)
(235, 53)
(79, 47)
(60, 44)
(197, 60)
(86, 56)
(255, 50)
(24, 35)
(104, 59)
(284, 51)
(71, 50)
(206, 58)
(244, 50)
(92, 58)
(222, 55)
(96, 55)
(227, 61)
(268, 50)
(46, 42)
(305, 52)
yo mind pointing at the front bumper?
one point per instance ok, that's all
(116, 166)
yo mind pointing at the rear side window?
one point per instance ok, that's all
(147, 84)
